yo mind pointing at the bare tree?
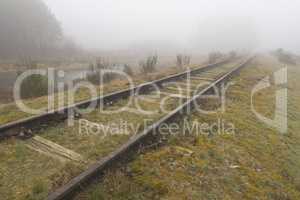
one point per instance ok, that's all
(28, 28)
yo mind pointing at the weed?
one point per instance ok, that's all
(39, 191)
(20, 151)
(96, 195)
(149, 65)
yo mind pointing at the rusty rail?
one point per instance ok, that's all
(34, 122)
(134, 142)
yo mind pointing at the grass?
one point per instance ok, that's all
(257, 162)
(19, 168)
(26, 174)
(10, 112)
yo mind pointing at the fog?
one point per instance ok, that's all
(200, 25)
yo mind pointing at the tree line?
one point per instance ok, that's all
(29, 28)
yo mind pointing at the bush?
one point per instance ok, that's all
(128, 70)
(182, 60)
(96, 76)
(149, 65)
(34, 86)
(285, 57)
(101, 63)
(97, 72)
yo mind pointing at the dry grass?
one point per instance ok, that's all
(10, 112)
(256, 162)
(26, 174)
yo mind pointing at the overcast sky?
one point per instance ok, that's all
(203, 24)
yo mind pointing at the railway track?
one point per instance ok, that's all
(67, 144)
(16, 127)
(213, 77)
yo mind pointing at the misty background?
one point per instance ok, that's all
(75, 35)
(200, 25)
(74, 28)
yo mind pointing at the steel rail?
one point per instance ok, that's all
(98, 169)
(14, 128)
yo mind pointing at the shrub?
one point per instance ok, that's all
(93, 78)
(34, 86)
(182, 60)
(101, 63)
(97, 74)
(128, 70)
(149, 65)
(285, 57)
